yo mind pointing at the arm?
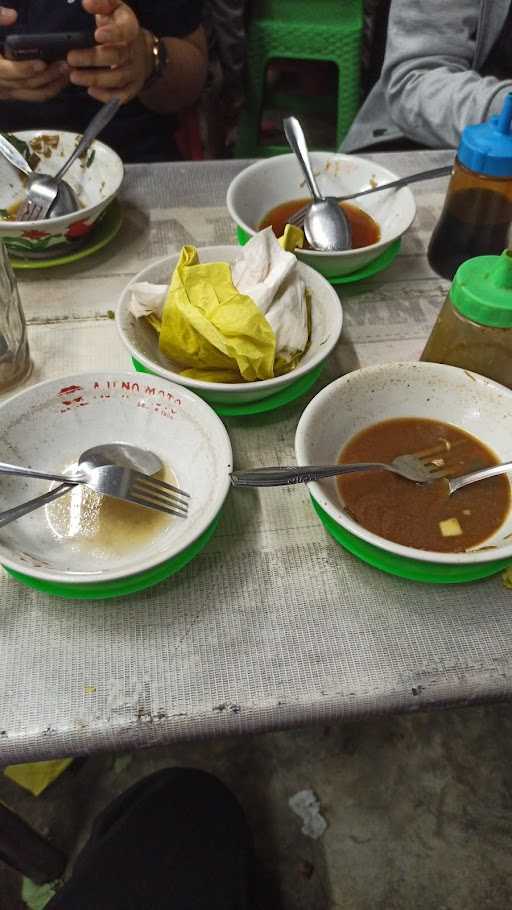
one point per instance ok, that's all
(432, 91)
(185, 73)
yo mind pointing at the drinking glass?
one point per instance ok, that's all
(15, 363)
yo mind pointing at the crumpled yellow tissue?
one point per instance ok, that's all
(213, 331)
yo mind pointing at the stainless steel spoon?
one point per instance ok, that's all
(325, 224)
(66, 201)
(116, 453)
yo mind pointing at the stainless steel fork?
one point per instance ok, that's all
(413, 467)
(111, 480)
(297, 218)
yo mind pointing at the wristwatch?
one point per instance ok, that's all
(160, 59)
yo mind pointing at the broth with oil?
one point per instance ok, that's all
(104, 526)
(423, 516)
(365, 229)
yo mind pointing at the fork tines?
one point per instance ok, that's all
(435, 464)
(159, 495)
(297, 219)
(30, 211)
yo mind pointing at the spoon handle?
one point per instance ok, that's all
(31, 505)
(14, 156)
(18, 471)
(466, 479)
(403, 181)
(297, 142)
(97, 124)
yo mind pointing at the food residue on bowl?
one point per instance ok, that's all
(104, 526)
(365, 230)
(423, 516)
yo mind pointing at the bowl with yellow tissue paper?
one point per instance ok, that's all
(143, 342)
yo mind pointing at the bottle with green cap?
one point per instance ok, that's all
(474, 327)
(477, 212)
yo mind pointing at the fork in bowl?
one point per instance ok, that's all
(42, 188)
(297, 219)
(421, 467)
(111, 480)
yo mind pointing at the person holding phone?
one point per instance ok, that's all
(151, 54)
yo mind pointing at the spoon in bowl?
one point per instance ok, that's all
(114, 453)
(325, 224)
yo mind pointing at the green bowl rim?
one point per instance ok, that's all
(366, 271)
(278, 400)
(403, 567)
(124, 586)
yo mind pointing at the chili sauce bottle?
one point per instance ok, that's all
(477, 212)
(474, 328)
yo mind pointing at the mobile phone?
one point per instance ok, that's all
(48, 47)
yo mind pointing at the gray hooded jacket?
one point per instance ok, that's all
(430, 86)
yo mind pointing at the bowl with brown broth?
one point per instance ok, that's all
(464, 422)
(271, 190)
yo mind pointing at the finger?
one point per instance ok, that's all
(109, 78)
(101, 7)
(18, 70)
(55, 73)
(40, 94)
(106, 55)
(122, 26)
(7, 16)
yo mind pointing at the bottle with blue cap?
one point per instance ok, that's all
(477, 214)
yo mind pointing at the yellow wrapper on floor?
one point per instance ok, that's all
(213, 331)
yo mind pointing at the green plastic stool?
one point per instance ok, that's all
(327, 30)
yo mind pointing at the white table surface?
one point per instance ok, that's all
(274, 624)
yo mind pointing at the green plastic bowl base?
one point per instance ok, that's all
(123, 586)
(270, 403)
(371, 268)
(411, 569)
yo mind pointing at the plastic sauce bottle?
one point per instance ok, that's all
(474, 327)
(477, 212)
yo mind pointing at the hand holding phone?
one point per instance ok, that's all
(31, 80)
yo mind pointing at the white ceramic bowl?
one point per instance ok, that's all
(95, 186)
(426, 390)
(262, 186)
(142, 341)
(50, 424)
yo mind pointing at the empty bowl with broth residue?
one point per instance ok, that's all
(79, 545)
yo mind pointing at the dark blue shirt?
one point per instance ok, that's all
(136, 133)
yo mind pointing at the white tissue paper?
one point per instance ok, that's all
(269, 275)
(146, 298)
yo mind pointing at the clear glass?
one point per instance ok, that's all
(15, 363)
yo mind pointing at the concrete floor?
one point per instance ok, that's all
(419, 809)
